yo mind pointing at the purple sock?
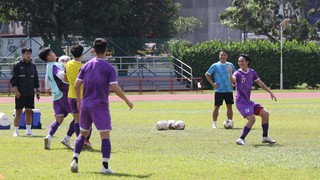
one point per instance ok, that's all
(79, 144)
(71, 128)
(245, 132)
(89, 135)
(76, 128)
(106, 148)
(265, 128)
(53, 128)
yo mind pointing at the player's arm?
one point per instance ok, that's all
(77, 88)
(208, 77)
(14, 81)
(232, 79)
(116, 88)
(264, 87)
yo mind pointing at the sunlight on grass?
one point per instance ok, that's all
(139, 150)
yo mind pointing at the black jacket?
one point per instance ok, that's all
(25, 77)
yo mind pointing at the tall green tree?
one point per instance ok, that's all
(128, 20)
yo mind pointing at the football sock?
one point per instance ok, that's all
(71, 128)
(265, 128)
(106, 148)
(105, 165)
(215, 123)
(79, 144)
(76, 158)
(245, 132)
(28, 128)
(89, 135)
(16, 128)
(76, 128)
(53, 128)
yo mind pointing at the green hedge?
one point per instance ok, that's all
(301, 61)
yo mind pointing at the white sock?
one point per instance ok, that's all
(28, 127)
(49, 136)
(16, 128)
(214, 124)
(67, 137)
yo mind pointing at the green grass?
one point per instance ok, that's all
(139, 151)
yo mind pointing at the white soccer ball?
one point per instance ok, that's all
(162, 125)
(228, 124)
(179, 125)
(4, 120)
(171, 124)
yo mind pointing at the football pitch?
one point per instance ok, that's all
(140, 151)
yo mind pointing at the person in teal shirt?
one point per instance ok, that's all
(221, 84)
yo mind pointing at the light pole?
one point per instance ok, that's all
(282, 24)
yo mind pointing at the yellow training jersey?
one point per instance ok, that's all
(72, 70)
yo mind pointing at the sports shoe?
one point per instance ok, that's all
(29, 133)
(87, 145)
(15, 134)
(268, 140)
(74, 166)
(214, 126)
(241, 142)
(67, 143)
(47, 141)
(106, 171)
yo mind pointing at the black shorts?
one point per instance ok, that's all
(219, 97)
(25, 102)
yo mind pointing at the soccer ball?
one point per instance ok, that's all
(162, 125)
(171, 124)
(228, 124)
(179, 125)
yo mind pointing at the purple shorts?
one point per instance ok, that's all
(100, 117)
(73, 105)
(61, 107)
(248, 108)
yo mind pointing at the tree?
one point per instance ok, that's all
(263, 17)
(258, 16)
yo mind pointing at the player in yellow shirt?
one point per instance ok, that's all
(72, 70)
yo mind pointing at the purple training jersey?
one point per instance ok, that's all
(243, 84)
(61, 106)
(97, 75)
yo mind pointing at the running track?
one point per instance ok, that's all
(181, 97)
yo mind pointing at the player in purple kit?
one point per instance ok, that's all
(59, 88)
(97, 76)
(243, 79)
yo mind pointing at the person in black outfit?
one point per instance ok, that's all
(25, 81)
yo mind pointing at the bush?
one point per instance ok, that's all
(301, 61)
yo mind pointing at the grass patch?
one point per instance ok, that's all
(198, 152)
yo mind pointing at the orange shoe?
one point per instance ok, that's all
(87, 145)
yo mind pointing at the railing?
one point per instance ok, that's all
(129, 84)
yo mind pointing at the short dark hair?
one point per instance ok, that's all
(222, 50)
(246, 57)
(25, 49)
(44, 53)
(77, 50)
(100, 45)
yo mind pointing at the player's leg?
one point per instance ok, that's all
(19, 105)
(246, 129)
(229, 102)
(29, 105)
(87, 143)
(86, 122)
(264, 114)
(218, 98)
(66, 140)
(106, 152)
(102, 121)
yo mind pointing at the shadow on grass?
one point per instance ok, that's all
(267, 145)
(125, 175)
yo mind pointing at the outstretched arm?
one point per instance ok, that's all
(264, 87)
(115, 87)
